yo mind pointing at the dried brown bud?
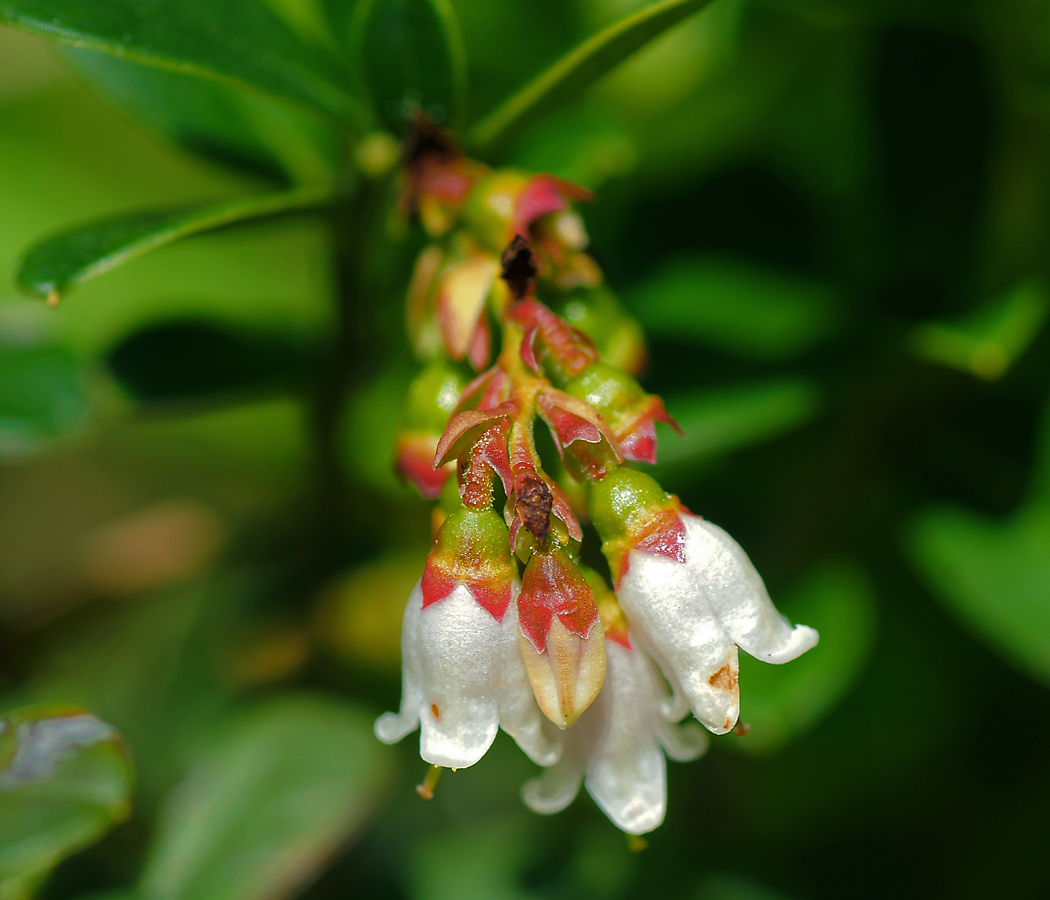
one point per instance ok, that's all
(519, 267)
(533, 504)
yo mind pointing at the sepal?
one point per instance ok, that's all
(471, 550)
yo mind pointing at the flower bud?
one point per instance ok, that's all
(432, 396)
(561, 636)
(631, 412)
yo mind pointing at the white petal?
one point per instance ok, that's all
(461, 650)
(391, 727)
(667, 608)
(519, 714)
(628, 776)
(740, 599)
(558, 786)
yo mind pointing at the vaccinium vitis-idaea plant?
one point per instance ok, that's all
(506, 627)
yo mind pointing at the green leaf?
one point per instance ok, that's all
(267, 803)
(411, 59)
(989, 341)
(735, 306)
(222, 123)
(73, 257)
(239, 42)
(995, 577)
(581, 67)
(65, 780)
(150, 365)
(721, 421)
(781, 702)
(44, 396)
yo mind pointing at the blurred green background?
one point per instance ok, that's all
(830, 218)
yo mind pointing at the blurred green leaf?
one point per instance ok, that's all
(734, 887)
(239, 42)
(782, 702)
(411, 58)
(581, 67)
(194, 360)
(735, 306)
(720, 421)
(65, 780)
(481, 862)
(994, 576)
(268, 802)
(80, 254)
(214, 120)
(44, 393)
(990, 340)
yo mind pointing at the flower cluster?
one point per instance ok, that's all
(507, 628)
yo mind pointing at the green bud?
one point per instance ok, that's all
(432, 396)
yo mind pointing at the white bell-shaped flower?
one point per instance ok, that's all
(692, 612)
(463, 678)
(618, 747)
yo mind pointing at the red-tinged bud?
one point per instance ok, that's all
(462, 290)
(431, 398)
(471, 549)
(561, 636)
(618, 336)
(631, 413)
(437, 178)
(506, 203)
(584, 441)
(550, 342)
(632, 512)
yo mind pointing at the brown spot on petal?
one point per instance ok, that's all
(724, 680)
(434, 711)
(533, 504)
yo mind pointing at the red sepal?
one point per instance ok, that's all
(438, 583)
(553, 585)
(663, 534)
(541, 196)
(638, 439)
(570, 349)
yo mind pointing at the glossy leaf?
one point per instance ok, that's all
(989, 341)
(781, 702)
(234, 127)
(239, 42)
(267, 803)
(580, 68)
(151, 364)
(411, 58)
(65, 780)
(720, 421)
(737, 307)
(44, 394)
(995, 577)
(73, 257)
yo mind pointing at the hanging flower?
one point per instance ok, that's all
(463, 675)
(618, 746)
(691, 595)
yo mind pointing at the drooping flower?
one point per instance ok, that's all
(463, 675)
(618, 747)
(691, 595)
